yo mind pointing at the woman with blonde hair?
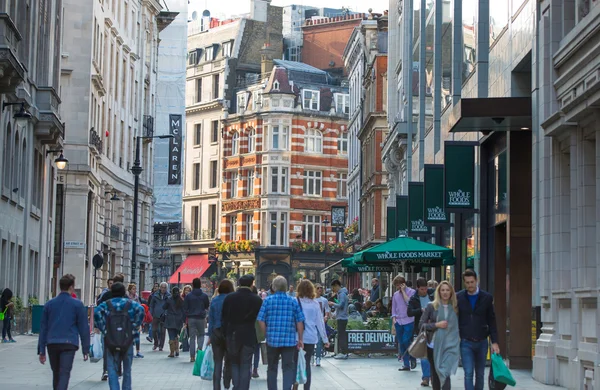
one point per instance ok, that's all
(186, 290)
(440, 319)
(314, 326)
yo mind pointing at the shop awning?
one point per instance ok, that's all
(194, 266)
(491, 114)
(352, 265)
(408, 251)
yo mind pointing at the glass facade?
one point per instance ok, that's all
(470, 9)
(447, 24)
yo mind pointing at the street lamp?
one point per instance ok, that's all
(61, 161)
(325, 222)
(137, 169)
(23, 114)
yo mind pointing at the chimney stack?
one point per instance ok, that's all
(266, 60)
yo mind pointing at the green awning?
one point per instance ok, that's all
(353, 266)
(406, 250)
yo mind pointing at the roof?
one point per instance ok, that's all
(223, 33)
(298, 67)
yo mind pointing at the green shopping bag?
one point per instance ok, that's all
(501, 372)
(198, 363)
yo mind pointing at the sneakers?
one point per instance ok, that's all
(11, 341)
(192, 359)
(404, 369)
(154, 348)
(104, 376)
(149, 339)
(139, 355)
(255, 373)
(341, 356)
(4, 341)
(318, 362)
(425, 382)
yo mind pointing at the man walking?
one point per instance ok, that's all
(416, 307)
(195, 306)
(119, 319)
(375, 290)
(64, 322)
(341, 315)
(109, 284)
(403, 324)
(105, 296)
(156, 309)
(476, 322)
(240, 310)
(282, 321)
(291, 292)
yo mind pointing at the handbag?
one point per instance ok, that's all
(501, 372)
(3, 313)
(418, 348)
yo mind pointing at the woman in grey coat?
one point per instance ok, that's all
(440, 319)
(174, 320)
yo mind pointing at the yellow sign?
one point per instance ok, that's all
(533, 337)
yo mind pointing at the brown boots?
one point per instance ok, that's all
(173, 348)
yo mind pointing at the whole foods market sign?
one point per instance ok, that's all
(402, 215)
(409, 255)
(416, 221)
(434, 195)
(459, 176)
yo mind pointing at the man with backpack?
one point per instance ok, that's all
(119, 319)
(103, 297)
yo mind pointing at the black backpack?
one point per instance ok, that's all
(119, 331)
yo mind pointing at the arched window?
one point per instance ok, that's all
(7, 157)
(24, 176)
(252, 141)
(16, 162)
(313, 142)
(235, 143)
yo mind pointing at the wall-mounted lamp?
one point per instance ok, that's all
(114, 196)
(23, 114)
(61, 161)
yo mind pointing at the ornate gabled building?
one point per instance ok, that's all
(285, 147)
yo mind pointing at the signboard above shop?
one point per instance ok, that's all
(459, 176)
(433, 182)
(416, 218)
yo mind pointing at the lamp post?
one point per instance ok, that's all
(325, 222)
(137, 169)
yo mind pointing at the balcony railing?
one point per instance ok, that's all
(191, 235)
(96, 140)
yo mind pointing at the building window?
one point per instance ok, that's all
(195, 219)
(312, 183)
(249, 226)
(198, 134)
(227, 46)
(196, 180)
(343, 143)
(279, 137)
(198, 90)
(234, 185)
(342, 186)
(252, 141)
(212, 220)
(257, 98)
(250, 184)
(313, 141)
(310, 99)
(233, 224)
(8, 158)
(311, 228)
(278, 229)
(216, 88)
(208, 54)
(276, 85)
(213, 174)
(279, 180)
(214, 134)
(242, 101)
(342, 103)
(235, 143)
(193, 58)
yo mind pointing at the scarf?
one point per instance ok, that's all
(446, 345)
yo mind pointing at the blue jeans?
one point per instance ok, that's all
(319, 348)
(473, 355)
(113, 361)
(426, 368)
(404, 335)
(61, 361)
(256, 356)
(240, 368)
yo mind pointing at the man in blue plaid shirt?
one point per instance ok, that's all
(136, 315)
(282, 321)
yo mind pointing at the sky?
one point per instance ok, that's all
(220, 8)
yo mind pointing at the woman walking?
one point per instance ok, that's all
(132, 294)
(314, 326)
(440, 319)
(7, 307)
(154, 289)
(173, 307)
(216, 337)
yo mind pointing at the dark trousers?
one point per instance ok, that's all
(219, 348)
(240, 367)
(158, 332)
(309, 350)
(173, 334)
(342, 336)
(256, 357)
(435, 379)
(6, 327)
(61, 362)
(287, 366)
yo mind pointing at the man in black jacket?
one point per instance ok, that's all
(240, 310)
(195, 307)
(416, 306)
(476, 322)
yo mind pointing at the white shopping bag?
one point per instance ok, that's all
(208, 364)
(96, 348)
(301, 371)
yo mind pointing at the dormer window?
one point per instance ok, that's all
(227, 49)
(208, 54)
(276, 85)
(342, 103)
(193, 57)
(310, 99)
(242, 101)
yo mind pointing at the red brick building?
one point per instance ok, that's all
(284, 168)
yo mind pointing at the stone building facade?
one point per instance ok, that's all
(32, 130)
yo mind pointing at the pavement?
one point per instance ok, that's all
(21, 370)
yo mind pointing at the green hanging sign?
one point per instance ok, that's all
(416, 221)
(434, 195)
(402, 215)
(459, 176)
(391, 223)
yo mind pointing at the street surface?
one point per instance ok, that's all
(21, 370)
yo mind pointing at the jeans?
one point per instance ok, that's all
(150, 330)
(319, 348)
(256, 357)
(6, 327)
(473, 355)
(287, 366)
(61, 362)
(105, 359)
(173, 334)
(240, 368)
(342, 336)
(435, 380)
(309, 350)
(196, 328)
(404, 335)
(158, 330)
(219, 347)
(114, 360)
(426, 369)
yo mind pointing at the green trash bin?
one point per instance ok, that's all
(36, 318)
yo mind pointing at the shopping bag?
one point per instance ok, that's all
(501, 372)
(418, 348)
(184, 340)
(492, 383)
(198, 363)
(301, 371)
(96, 349)
(208, 365)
